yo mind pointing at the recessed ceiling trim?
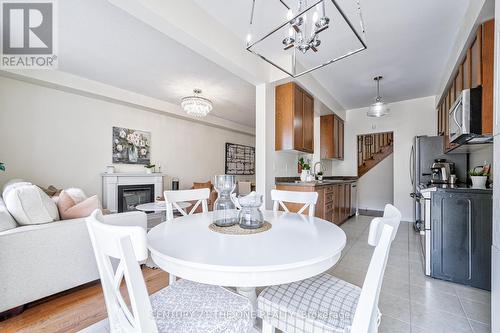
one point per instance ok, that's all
(85, 87)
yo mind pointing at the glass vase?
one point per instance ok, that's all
(133, 154)
(250, 216)
(224, 213)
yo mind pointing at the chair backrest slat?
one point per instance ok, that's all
(172, 198)
(392, 217)
(366, 316)
(308, 199)
(127, 245)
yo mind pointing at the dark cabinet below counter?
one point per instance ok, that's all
(461, 226)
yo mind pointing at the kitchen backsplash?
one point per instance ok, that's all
(285, 164)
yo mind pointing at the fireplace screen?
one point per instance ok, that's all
(129, 196)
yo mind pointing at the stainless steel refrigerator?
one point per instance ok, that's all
(424, 151)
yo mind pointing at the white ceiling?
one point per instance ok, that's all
(101, 42)
(409, 43)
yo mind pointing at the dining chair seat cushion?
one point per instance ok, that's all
(188, 306)
(319, 304)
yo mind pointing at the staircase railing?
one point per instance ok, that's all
(372, 149)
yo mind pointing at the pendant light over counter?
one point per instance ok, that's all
(379, 108)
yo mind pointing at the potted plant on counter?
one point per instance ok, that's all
(306, 169)
(479, 176)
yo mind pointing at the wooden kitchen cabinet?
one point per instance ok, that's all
(487, 56)
(294, 123)
(334, 201)
(332, 137)
(342, 203)
(341, 139)
(347, 201)
(324, 205)
(475, 69)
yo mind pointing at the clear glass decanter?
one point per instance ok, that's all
(250, 216)
(225, 213)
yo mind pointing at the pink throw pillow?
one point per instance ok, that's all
(68, 209)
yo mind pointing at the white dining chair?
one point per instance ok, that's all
(185, 307)
(172, 199)
(325, 303)
(308, 199)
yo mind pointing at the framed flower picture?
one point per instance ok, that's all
(131, 146)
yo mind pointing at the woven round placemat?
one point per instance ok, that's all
(237, 230)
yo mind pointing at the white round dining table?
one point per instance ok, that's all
(295, 248)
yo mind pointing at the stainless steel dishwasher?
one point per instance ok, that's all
(354, 199)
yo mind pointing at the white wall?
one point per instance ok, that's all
(376, 188)
(406, 119)
(52, 137)
(264, 116)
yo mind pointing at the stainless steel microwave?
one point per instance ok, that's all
(465, 117)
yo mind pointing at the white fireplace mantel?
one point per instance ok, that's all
(111, 181)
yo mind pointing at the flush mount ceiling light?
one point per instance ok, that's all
(195, 105)
(379, 108)
(307, 35)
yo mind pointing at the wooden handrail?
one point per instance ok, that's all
(373, 148)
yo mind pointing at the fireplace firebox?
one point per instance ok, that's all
(129, 196)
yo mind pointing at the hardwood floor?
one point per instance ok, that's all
(73, 310)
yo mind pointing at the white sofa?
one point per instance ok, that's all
(37, 261)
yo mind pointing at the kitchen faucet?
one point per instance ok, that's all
(320, 168)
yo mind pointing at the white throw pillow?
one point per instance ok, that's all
(28, 204)
(6, 220)
(76, 194)
(13, 183)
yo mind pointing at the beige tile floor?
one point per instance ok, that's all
(410, 301)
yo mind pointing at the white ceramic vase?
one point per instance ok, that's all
(478, 181)
(304, 174)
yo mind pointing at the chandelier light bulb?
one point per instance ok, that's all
(304, 47)
(315, 17)
(315, 42)
(249, 38)
(289, 15)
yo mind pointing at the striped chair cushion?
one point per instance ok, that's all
(320, 304)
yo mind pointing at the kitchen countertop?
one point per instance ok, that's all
(455, 187)
(316, 183)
